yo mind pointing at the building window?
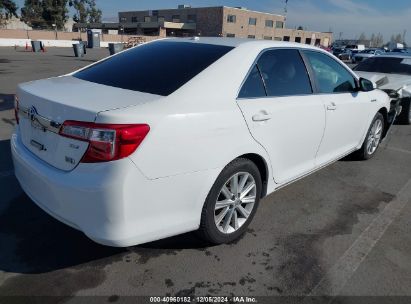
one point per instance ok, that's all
(317, 41)
(278, 39)
(286, 38)
(192, 18)
(147, 19)
(251, 36)
(123, 19)
(298, 39)
(176, 18)
(307, 40)
(134, 19)
(269, 23)
(231, 18)
(230, 35)
(268, 38)
(252, 21)
(279, 24)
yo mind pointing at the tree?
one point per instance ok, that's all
(8, 9)
(94, 13)
(398, 38)
(86, 11)
(55, 12)
(373, 40)
(362, 39)
(81, 10)
(379, 40)
(32, 14)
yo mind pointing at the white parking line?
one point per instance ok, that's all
(6, 173)
(336, 278)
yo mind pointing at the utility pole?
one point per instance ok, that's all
(403, 36)
(285, 12)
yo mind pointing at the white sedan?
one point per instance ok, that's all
(178, 135)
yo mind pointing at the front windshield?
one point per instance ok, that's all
(386, 65)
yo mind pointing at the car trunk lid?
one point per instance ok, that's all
(45, 104)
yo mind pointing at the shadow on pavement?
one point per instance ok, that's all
(6, 102)
(5, 158)
(33, 242)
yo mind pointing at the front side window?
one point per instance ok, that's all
(284, 73)
(159, 67)
(331, 76)
(269, 23)
(252, 21)
(279, 24)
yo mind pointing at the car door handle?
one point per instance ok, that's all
(262, 116)
(332, 107)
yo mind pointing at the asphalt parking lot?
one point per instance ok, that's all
(343, 231)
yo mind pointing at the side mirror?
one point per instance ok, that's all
(367, 85)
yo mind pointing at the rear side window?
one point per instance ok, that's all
(284, 73)
(253, 87)
(159, 67)
(331, 76)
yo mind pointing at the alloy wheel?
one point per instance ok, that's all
(374, 136)
(235, 202)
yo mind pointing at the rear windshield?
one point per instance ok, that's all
(386, 65)
(159, 67)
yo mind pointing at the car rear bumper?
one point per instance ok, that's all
(113, 203)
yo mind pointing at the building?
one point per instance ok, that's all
(220, 21)
(15, 24)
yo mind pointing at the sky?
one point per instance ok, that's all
(346, 18)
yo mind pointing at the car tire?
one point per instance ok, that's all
(372, 140)
(220, 214)
(405, 117)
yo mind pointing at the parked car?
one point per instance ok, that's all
(338, 51)
(366, 54)
(347, 55)
(400, 50)
(392, 73)
(179, 135)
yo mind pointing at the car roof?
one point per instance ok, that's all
(395, 55)
(236, 42)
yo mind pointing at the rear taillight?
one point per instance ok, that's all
(107, 142)
(16, 108)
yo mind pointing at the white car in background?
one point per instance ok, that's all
(392, 74)
(362, 55)
(179, 135)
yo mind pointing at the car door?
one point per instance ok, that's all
(347, 108)
(282, 113)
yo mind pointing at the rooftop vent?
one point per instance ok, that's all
(180, 6)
